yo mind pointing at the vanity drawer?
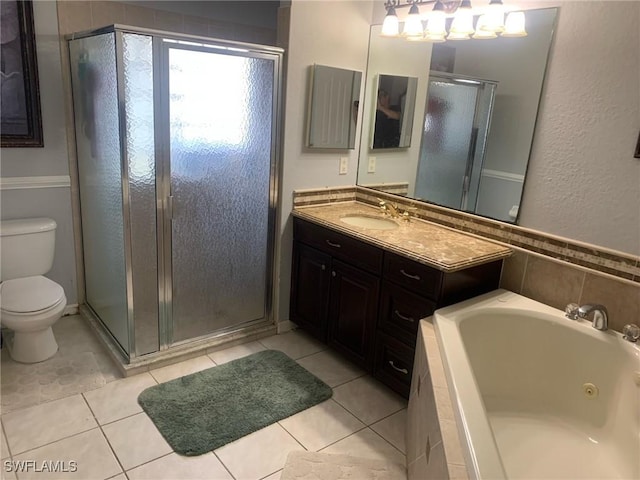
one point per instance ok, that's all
(393, 364)
(401, 311)
(340, 246)
(419, 278)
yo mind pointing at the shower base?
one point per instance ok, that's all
(178, 353)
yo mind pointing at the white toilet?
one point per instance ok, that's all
(29, 303)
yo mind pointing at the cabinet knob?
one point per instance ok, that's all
(401, 370)
(333, 274)
(324, 267)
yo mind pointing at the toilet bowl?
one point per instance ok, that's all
(29, 307)
(29, 302)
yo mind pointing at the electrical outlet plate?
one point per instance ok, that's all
(372, 165)
(344, 164)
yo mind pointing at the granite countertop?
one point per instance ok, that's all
(437, 246)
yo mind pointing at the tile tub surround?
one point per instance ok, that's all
(595, 274)
(433, 445)
(446, 249)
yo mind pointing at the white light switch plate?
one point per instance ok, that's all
(344, 164)
(372, 165)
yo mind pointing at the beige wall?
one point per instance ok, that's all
(336, 37)
(76, 16)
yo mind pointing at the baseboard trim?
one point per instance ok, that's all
(70, 309)
(19, 183)
(287, 325)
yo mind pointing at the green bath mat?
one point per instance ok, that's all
(200, 412)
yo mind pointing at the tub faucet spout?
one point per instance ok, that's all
(600, 315)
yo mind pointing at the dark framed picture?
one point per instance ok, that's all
(20, 120)
(637, 152)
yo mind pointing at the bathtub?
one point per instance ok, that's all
(536, 395)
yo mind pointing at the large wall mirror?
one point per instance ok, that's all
(476, 105)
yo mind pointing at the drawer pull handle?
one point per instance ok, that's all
(402, 317)
(331, 244)
(401, 370)
(413, 277)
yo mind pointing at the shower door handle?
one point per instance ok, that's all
(170, 207)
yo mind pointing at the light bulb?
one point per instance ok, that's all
(481, 32)
(514, 26)
(390, 26)
(413, 24)
(494, 17)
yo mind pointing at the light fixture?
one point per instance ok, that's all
(494, 17)
(413, 24)
(390, 26)
(481, 32)
(436, 24)
(514, 25)
(459, 14)
(462, 25)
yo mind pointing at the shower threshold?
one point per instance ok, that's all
(176, 353)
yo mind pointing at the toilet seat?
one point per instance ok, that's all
(30, 295)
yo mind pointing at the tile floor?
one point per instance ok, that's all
(107, 434)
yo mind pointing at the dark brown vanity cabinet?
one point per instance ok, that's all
(335, 290)
(367, 303)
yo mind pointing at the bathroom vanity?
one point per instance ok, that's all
(363, 290)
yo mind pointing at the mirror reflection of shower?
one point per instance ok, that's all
(454, 139)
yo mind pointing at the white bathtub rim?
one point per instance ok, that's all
(479, 445)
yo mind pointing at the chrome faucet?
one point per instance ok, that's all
(600, 315)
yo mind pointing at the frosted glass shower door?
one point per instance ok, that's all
(220, 108)
(443, 168)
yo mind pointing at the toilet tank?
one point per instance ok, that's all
(26, 247)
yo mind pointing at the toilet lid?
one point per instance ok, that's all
(30, 294)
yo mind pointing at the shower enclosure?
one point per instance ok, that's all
(177, 152)
(456, 126)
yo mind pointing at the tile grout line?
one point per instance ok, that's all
(378, 434)
(223, 465)
(350, 435)
(6, 439)
(148, 462)
(104, 435)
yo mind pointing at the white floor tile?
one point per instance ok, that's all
(331, 368)
(393, 428)
(259, 454)
(4, 447)
(367, 444)
(120, 476)
(118, 399)
(368, 399)
(174, 466)
(274, 476)
(295, 344)
(177, 370)
(321, 425)
(136, 440)
(7, 475)
(36, 426)
(232, 353)
(90, 450)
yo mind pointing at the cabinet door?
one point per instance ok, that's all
(352, 312)
(310, 290)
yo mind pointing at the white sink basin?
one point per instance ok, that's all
(370, 222)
